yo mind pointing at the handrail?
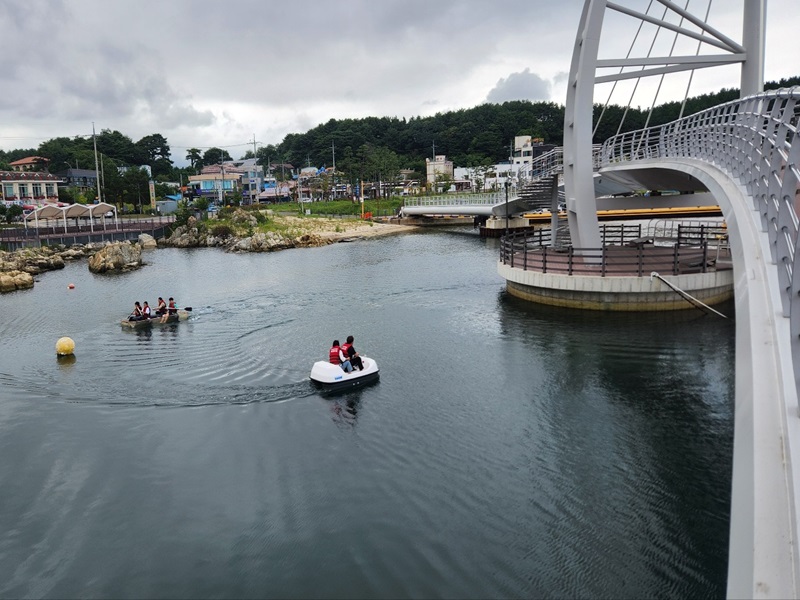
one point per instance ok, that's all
(530, 251)
(755, 141)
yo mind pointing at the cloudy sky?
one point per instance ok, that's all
(221, 73)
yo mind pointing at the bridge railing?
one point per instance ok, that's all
(531, 252)
(755, 140)
(484, 199)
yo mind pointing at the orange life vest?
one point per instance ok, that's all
(334, 355)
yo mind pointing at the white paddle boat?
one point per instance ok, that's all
(332, 377)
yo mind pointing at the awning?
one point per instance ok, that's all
(71, 211)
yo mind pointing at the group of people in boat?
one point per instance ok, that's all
(162, 312)
(345, 355)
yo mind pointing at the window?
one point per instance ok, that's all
(8, 190)
(23, 190)
(51, 189)
(37, 190)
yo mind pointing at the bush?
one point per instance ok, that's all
(182, 214)
(222, 231)
(226, 212)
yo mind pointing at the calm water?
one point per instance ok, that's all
(508, 450)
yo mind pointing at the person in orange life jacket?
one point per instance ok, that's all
(337, 357)
(136, 315)
(351, 353)
(146, 313)
(171, 310)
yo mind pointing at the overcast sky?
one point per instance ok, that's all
(219, 73)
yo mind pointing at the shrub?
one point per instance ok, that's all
(222, 231)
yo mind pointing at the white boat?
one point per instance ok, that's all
(332, 377)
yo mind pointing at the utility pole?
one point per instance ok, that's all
(96, 165)
(333, 151)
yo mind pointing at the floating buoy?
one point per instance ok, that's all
(65, 346)
(71, 286)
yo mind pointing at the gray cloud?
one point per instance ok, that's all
(205, 74)
(520, 86)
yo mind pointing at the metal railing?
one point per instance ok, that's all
(755, 141)
(56, 232)
(531, 252)
(483, 199)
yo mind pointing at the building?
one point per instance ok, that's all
(28, 187)
(526, 149)
(210, 185)
(30, 163)
(83, 180)
(251, 176)
(488, 179)
(437, 169)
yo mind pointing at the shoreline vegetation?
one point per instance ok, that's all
(240, 231)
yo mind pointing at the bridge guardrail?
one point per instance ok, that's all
(755, 140)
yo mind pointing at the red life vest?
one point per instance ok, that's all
(334, 355)
(345, 348)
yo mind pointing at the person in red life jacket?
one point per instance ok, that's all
(351, 353)
(136, 315)
(162, 307)
(337, 357)
(171, 310)
(146, 313)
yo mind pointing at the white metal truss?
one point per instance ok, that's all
(587, 69)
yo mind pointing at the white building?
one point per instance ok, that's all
(488, 179)
(439, 167)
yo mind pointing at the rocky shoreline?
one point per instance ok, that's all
(17, 269)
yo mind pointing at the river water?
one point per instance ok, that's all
(508, 450)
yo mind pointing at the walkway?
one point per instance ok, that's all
(55, 233)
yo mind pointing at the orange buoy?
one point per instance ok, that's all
(71, 286)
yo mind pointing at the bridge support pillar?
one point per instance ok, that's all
(578, 168)
(755, 21)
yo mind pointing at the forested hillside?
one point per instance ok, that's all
(371, 146)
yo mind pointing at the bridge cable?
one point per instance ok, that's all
(621, 69)
(689, 298)
(691, 73)
(638, 79)
(661, 81)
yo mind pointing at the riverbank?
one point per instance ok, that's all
(17, 269)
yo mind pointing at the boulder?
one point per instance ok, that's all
(116, 257)
(15, 280)
(242, 217)
(147, 241)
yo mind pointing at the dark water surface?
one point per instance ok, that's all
(509, 450)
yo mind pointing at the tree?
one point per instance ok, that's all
(12, 212)
(154, 150)
(214, 156)
(135, 187)
(195, 158)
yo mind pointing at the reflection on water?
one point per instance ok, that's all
(65, 362)
(509, 450)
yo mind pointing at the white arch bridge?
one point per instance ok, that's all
(746, 153)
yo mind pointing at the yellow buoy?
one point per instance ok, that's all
(65, 346)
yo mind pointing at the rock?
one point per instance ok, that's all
(242, 217)
(147, 241)
(15, 280)
(118, 256)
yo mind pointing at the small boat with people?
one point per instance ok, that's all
(344, 369)
(332, 377)
(181, 315)
(142, 316)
